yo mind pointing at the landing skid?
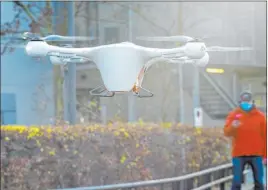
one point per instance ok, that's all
(143, 93)
(101, 91)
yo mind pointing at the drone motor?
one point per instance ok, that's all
(37, 48)
(195, 50)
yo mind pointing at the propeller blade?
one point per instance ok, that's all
(27, 36)
(30, 36)
(221, 49)
(16, 39)
(58, 38)
(12, 45)
(167, 38)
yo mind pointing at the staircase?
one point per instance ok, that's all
(213, 99)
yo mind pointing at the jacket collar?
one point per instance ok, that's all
(253, 111)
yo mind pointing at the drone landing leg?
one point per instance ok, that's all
(101, 91)
(143, 93)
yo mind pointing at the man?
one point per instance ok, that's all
(246, 125)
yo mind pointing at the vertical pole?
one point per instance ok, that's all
(196, 90)
(71, 68)
(66, 93)
(253, 57)
(55, 13)
(234, 85)
(131, 98)
(104, 114)
(180, 68)
(181, 93)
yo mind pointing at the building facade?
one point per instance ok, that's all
(27, 93)
(26, 84)
(220, 23)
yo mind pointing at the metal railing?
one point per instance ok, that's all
(178, 183)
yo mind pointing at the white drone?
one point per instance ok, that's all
(122, 65)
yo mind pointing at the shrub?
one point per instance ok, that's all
(48, 157)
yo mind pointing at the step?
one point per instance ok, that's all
(215, 106)
(209, 98)
(209, 92)
(219, 116)
(206, 87)
(203, 82)
(216, 109)
(221, 105)
(215, 112)
(214, 102)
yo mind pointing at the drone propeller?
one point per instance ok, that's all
(12, 45)
(186, 39)
(221, 49)
(52, 38)
(21, 40)
(182, 39)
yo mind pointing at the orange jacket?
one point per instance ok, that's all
(250, 138)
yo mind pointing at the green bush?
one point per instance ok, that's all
(49, 157)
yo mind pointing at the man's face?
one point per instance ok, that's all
(246, 103)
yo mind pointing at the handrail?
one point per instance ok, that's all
(219, 181)
(220, 90)
(153, 182)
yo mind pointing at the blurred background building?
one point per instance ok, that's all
(218, 23)
(26, 84)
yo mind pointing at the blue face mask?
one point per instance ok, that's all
(246, 106)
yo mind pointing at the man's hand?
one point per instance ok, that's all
(236, 123)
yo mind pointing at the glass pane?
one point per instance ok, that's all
(111, 35)
(8, 118)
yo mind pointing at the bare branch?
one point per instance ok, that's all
(4, 49)
(35, 24)
(78, 8)
(25, 9)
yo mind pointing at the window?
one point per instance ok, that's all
(111, 35)
(8, 109)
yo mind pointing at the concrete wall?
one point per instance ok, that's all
(28, 79)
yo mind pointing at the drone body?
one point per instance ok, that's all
(123, 65)
(119, 64)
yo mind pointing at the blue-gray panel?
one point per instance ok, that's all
(8, 102)
(8, 117)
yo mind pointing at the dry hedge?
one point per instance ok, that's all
(49, 157)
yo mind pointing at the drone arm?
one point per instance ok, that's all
(41, 48)
(162, 60)
(179, 60)
(83, 52)
(155, 52)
